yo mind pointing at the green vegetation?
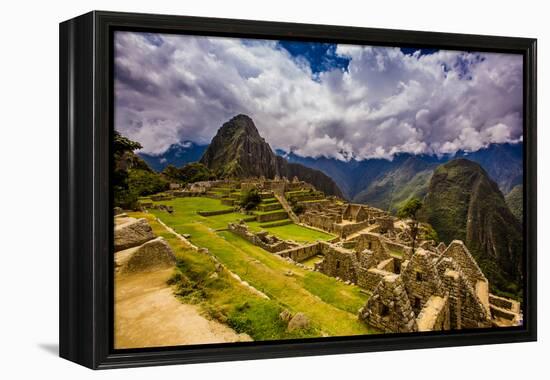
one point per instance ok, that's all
(330, 305)
(294, 232)
(417, 187)
(251, 199)
(310, 263)
(185, 213)
(514, 200)
(396, 253)
(268, 212)
(392, 189)
(332, 291)
(409, 211)
(192, 172)
(144, 182)
(222, 297)
(464, 203)
(426, 232)
(132, 177)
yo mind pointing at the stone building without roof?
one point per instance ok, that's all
(436, 287)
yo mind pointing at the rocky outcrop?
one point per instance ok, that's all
(238, 151)
(132, 232)
(137, 249)
(153, 255)
(299, 322)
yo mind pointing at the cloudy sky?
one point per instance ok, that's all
(315, 99)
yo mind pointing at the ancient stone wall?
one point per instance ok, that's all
(272, 216)
(421, 279)
(435, 315)
(275, 224)
(228, 201)
(369, 279)
(355, 212)
(389, 309)
(302, 253)
(465, 308)
(503, 303)
(314, 204)
(261, 239)
(398, 248)
(215, 212)
(460, 254)
(319, 220)
(348, 229)
(339, 262)
(474, 314)
(385, 223)
(161, 197)
(367, 258)
(373, 243)
(270, 206)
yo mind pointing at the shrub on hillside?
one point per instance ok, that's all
(193, 172)
(143, 182)
(250, 200)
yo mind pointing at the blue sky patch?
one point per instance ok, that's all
(411, 51)
(320, 56)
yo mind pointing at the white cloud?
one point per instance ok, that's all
(387, 102)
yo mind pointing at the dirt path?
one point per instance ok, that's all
(148, 315)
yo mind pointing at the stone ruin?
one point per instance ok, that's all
(332, 216)
(355, 213)
(437, 287)
(261, 239)
(137, 249)
(443, 290)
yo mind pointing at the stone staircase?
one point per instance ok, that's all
(282, 200)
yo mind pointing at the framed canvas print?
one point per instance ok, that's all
(238, 189)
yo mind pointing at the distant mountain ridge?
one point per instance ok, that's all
(176, 155)
(379, 182)
(238, 151)
(385, 184)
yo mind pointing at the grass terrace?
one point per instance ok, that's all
(294, 232)
(331, 305)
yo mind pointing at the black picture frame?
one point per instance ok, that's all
(86, 219)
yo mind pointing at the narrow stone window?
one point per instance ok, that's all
(419, 276)
(417, 303)
(397, 266)
(384, 310)
(337, 264)
(370, 244)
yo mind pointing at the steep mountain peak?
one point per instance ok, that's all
(464, 203)
(240, 126)
(464, 163)
(238, 151)
(466, 173)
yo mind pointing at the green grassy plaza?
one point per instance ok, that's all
(330, 305)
